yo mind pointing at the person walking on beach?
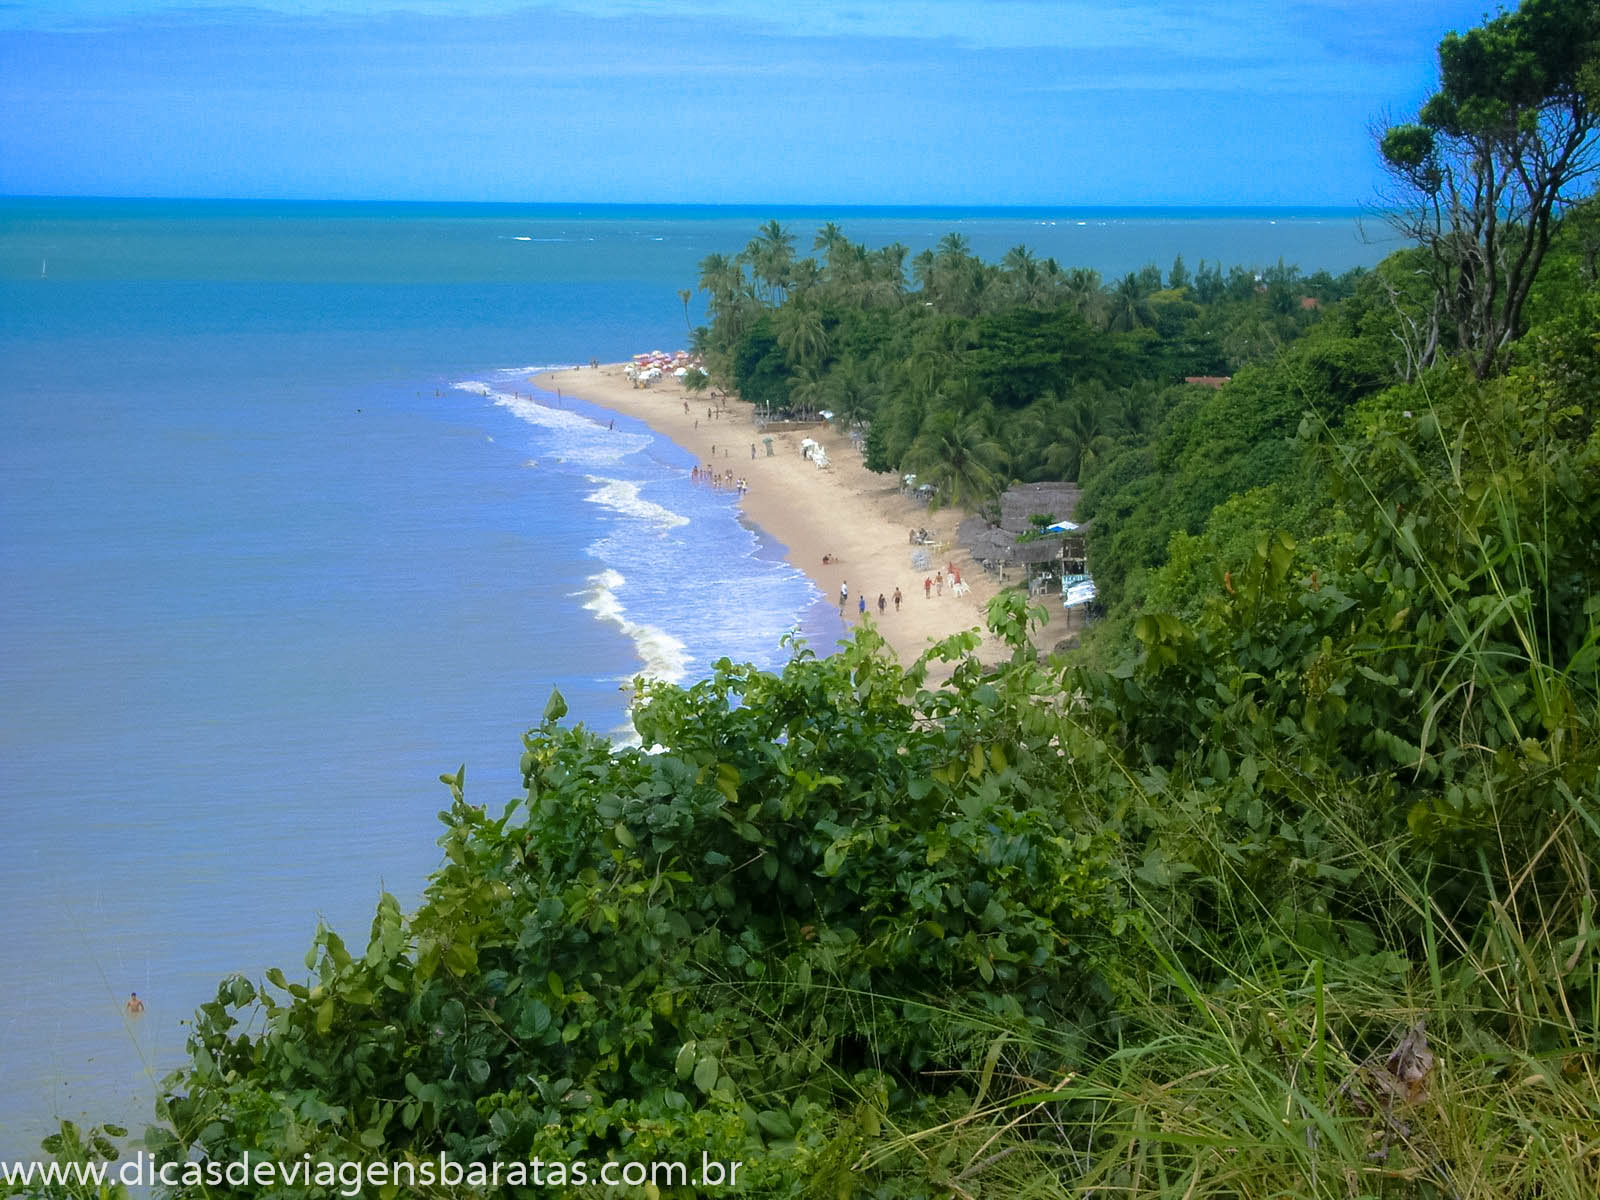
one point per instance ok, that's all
(938, 582)
(927, 589)
(883, 604)
(752, 451)
(897, 598)
(844, 594)
(861, 605)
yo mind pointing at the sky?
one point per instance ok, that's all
(918, 102)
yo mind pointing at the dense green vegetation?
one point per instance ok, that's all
(1296, 897)
(1287, 887)
(983, 373)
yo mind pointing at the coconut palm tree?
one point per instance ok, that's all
(801, 335)
(829, 239)
(922, 271)
(1025, 281)
(1081, 288)
(1129, 308)
(723, 279)
(849, 393)
(770, 255)
(960, 457)
(887, 271)
(808, 390)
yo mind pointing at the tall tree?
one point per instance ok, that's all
(770, 255)
(888, 270)
(1082, 289)
(959, 457)
(723, 278)
(1491, 159)
(1129, 309)
(829, 238)
(801, 335)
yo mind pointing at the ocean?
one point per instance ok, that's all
(286, 532)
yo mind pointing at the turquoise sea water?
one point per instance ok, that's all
(285, 533)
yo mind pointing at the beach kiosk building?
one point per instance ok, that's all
(1046, 555)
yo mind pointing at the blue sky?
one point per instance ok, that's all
(704, 101)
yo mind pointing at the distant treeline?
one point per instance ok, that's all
(972, 375)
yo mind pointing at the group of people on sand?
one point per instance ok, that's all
(935, 582)
(932, 585)
(720, 480)
(861, 600)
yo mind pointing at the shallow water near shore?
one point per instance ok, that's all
(285, 533)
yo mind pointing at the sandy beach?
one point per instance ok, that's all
(858, 520)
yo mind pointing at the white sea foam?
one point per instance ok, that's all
(520, 374)
(664, 656)
(622, 496)
(572, 437)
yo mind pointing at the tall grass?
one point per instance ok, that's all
(1459, 1057)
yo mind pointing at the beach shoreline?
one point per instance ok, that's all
(858, 520)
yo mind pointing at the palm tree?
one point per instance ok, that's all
(953, 247)
(1024, 276)
(771, 257)
(849, 393)
(801, 335)
(1129, 308)
(829, 239)
(684, 295)
(808, 391)
(1082, 290)
(1081, 433)
(1134, 408)
(887, 270)
(806, 277)
(959, 457)
(723, 278)
(922, 270)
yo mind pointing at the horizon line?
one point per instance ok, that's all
(787, 206)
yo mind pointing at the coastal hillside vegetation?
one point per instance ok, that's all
(1288, 886)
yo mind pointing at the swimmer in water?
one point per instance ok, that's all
(135, 1005)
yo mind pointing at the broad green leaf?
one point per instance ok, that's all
(556, 707)
(706, 1072)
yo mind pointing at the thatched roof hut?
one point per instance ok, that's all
(998, 543)
(1058, 500)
